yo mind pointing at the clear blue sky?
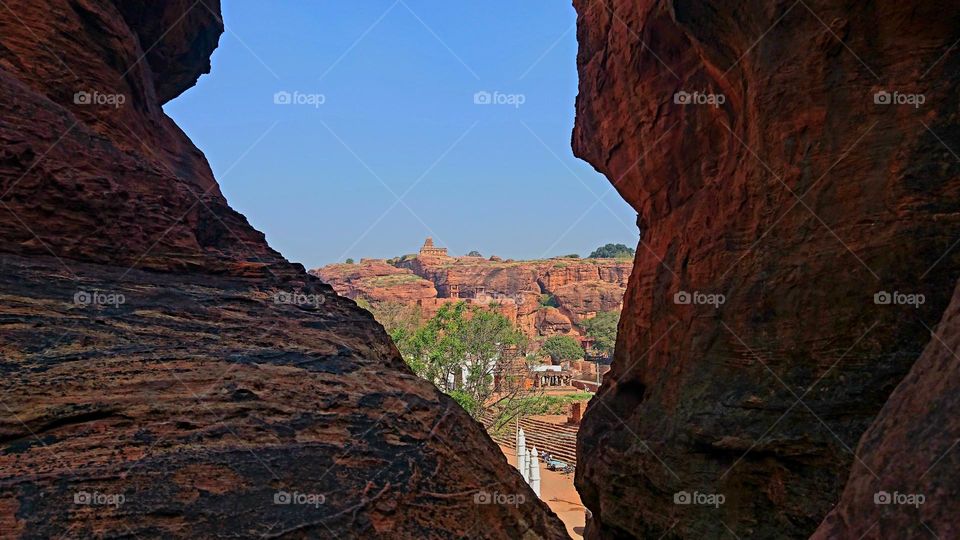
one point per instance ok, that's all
(398, 119)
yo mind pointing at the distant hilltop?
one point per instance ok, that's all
(544, 297)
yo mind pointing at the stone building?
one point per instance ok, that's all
(429, 250)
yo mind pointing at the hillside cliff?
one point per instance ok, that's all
(780, 159)
(544, 297)
(166, 373)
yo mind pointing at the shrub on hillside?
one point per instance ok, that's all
(613, 251)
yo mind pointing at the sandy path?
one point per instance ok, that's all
(558, 492)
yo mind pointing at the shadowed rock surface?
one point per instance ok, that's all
(155, 352)
(798, 198)
(912, 450)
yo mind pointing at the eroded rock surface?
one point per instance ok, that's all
(799, 195)
(544, 297)
(376, 281)
(905, 483)
(166, 373)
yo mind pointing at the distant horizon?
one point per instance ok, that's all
(401, 121)
(485, 255)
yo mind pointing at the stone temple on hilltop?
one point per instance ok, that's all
(429, 250)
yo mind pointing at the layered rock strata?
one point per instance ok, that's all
(544, 297)
(166, 373)
(794, 168)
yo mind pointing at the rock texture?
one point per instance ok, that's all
(376, 281)
(912, 450)
(798, 197)
(164, 372)
(574, 289)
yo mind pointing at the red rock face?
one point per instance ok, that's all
(912, 450)
(583, 300)
(164, 372)
(798, 198)
(579, 288)
(570, 271)
(376, 281)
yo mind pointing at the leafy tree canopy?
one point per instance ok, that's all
(613, 251)
(458, 349)
(561, 348)
(461, 348)
(603, 329)
(474, 253)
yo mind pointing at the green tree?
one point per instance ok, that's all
(349, 261)
(603, 330)
(561, 348)
(467, 401)
(474, 253)
(401, 321)
(572, 256)
(613, 251)
(491, 342)
(459, 349)
(462, 349)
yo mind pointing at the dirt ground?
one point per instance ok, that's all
(558, 492)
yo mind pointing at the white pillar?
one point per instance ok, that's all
(522, 462)
(535, 472)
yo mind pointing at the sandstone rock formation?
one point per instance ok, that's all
(911, 448)
(376, 281)
(575, 289)
(166, 373)
(777, 154)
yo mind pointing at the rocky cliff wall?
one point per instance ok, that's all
(579, 289)
(164, 372)
(904, 483)
(376, 281)
(778, 154)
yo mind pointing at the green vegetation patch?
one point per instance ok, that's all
(548, 300)
(613, 251)
(392, 281)
(561, 348)
(552, 404)
(603, 329)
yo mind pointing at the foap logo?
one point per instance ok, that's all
(296, 298)
(699, 499)
(907, 499)
(508, 499)
(295, 498)
(897, 298)
(94, 97)
(98, 298)
(499, 98)
(697, 298)
(699, 98)
(86, 498)
(298, 98)
(884, 97)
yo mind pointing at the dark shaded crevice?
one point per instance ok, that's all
(72, 420)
